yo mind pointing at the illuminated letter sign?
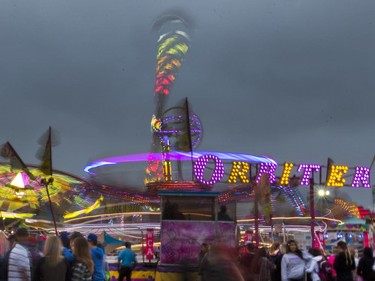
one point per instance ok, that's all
(308, 170)
(362, 175)
(335, 175)
(267, 168)
(201, 164)
(239, 170)
(286, 174)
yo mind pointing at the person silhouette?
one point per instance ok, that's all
(222, 215)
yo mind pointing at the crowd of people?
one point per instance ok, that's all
(67, 257)
(74, 257)
(284, 263)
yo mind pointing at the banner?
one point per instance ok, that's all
(366, 239)
(149, 250)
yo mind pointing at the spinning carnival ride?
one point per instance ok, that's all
(176, 134)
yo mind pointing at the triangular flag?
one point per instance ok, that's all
(8, 152)
(45, 153)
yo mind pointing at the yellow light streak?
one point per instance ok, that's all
(297, 218)
(112, 215)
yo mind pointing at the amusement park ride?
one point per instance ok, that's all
(177, 191)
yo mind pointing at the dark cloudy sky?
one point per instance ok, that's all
(290, 79)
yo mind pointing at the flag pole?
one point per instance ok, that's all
(189, 137)
(372, 162)
(46, 183)
(46, 168)
(372, 193)
(256, 222)
(312, 213)
(256, 209)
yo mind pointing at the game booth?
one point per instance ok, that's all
(188, 219)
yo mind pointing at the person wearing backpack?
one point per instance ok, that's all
(313, 267)
(365, 265)
(331, 260)
(325, 270)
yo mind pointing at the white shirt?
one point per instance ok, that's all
(19, 264)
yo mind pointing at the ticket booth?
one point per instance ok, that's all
(190, 218)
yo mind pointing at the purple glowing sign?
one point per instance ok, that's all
(362, 175)
(267, 168)
(201, 164)
(308, 170)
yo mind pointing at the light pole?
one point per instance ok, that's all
(312, 213)
(322, 193)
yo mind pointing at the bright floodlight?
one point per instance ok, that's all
(321, 192)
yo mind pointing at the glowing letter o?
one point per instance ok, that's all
(201, 164)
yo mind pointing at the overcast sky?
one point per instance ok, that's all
(290, 79)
